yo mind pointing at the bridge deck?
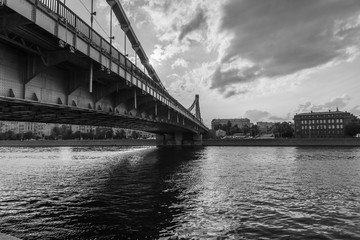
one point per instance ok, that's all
(70, 74)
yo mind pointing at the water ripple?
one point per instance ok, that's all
(180, 193)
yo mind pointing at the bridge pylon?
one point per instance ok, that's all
(196, 105)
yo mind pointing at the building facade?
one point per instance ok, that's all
(240, 122)
(322, 124)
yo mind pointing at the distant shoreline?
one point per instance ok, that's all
(78, 143)
(292, 142)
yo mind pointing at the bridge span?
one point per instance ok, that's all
(55, 68)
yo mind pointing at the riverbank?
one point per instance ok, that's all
(292, 142)
(79, 143)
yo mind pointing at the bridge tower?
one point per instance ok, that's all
(182, 138)
(196, 105)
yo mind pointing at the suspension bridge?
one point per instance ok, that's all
(55, 68)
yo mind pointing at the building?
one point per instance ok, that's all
(322, 124)
(240, 122)
(81, 128)
(9, 126)
(264, 127)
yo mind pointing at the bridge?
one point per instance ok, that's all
(55, 68)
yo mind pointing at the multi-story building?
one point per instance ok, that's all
(9, 126)
(38, 129)
(240, 122)
(81, 128)
(322, 124)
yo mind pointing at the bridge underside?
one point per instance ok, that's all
(30, 111)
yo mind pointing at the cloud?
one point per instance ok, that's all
(180, 62)
(355, 110)
(288, 117)
(332, 104)
(283, 37)
(256, 115)
(227, 93)
(193, 25)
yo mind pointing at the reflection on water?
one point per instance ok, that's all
(194, 193)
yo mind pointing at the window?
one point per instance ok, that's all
(341, 121)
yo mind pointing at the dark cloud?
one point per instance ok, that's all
(223, 78)
(232, 92)
(194, 24)
(333, 104)
(282, 37)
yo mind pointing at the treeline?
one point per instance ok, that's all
(284, 129)
(11, 135)
(66, 133)
(231, 130)
(352, 129)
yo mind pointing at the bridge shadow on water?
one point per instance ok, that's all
(138, 199)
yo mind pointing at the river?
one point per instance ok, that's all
(189, 193)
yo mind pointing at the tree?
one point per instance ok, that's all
(120, 134)
(246, 129)
(109, 133)
(134, 135)
(77, 135)
(67, 133)
(235, 129)
(29, 135)
(10, 135)
(254, 130)
(352, 129)
(283, 129)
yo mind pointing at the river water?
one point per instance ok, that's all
(189, 193)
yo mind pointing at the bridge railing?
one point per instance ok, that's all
(147, 83)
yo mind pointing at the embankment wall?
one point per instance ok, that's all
(285, 142)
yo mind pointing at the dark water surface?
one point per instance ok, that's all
(194, 193)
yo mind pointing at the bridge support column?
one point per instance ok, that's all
(179, 139)
(192, 139)
(165, 139)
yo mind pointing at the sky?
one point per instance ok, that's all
(263, 60)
